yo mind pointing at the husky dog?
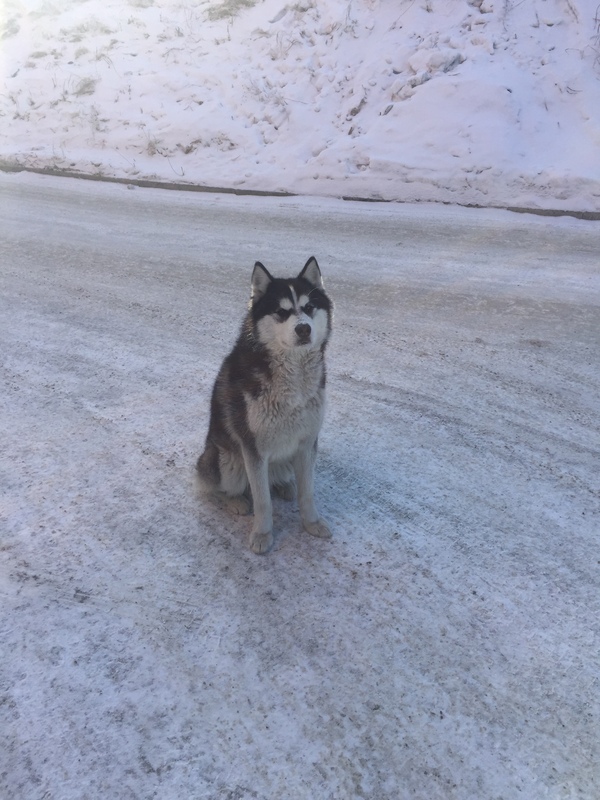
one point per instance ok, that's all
(268, 402)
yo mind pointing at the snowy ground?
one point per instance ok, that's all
(488, 102)
(443, 646)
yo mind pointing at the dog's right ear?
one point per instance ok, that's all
(261, 278)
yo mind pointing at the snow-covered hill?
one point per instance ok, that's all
(491, 102)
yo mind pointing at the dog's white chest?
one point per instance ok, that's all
(288, 410)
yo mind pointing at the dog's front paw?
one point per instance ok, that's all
(319, 528)
(261, 542)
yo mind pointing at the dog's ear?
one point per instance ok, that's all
(312, 273)
(261, 279)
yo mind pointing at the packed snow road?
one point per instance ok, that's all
(443, 646)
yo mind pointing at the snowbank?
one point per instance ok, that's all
(462, 101)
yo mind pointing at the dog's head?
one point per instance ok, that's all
(290, 314)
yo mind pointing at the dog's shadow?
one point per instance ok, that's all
(348, 496)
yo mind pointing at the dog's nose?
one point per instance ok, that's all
(303, 331)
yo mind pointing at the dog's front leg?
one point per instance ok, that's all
(304, 466)
(257, 469)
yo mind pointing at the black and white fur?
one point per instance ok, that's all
(268, 403)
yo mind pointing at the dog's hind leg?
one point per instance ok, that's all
(233, 486)
(221, 475)
(238, 504)
(286, 491)
(281, 478)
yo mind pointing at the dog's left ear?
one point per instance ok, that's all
(312, 273)
(261, 278)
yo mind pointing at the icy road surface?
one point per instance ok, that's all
(445, 645)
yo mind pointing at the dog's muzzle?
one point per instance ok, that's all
(303, 332)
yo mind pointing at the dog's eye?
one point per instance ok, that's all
(283, 313)
(308, 309)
